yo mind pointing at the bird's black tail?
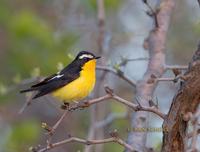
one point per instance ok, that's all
(27, 90)
(32, 89)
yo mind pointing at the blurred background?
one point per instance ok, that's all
(37, 38)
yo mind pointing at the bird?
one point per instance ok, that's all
(73, 83)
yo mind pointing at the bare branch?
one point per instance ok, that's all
(87, 142)
(125, 60)
(27, 103)
(165, 79)
(137, 59)
(168, 79)
(111, 95)
(115, 72)
(152, 13)
(88, 103)
(29, 97)
(52, 130)
(136, 107)
(181, 77)
(118, 72)
(180, 67)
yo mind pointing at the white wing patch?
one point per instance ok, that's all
(57, 76)
(86, 56)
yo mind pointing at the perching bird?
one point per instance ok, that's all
(73, 83)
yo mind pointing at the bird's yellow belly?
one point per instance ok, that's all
(76, 90)
(79, 88)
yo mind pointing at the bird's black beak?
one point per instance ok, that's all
(97, 57)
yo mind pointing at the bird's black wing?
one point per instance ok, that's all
(56, 81)
(53, 84)
(45, 81)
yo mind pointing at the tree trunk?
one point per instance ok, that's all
(155, 43)
(185, 101)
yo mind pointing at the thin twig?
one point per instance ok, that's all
(87, 142)
(180, 67)
(136, 107)
(137, 59)
(165, 79)
(152, 13)
(113, 71)
(174, 80)
(124, 60)
(58, 122)
(26, 104)
(29, 98)
(51, 130)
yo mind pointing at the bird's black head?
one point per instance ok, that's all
(86, 56)
(81, 58)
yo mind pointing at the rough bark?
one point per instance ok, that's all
(155, 43)
(184, 102)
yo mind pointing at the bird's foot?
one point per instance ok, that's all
(65, 106)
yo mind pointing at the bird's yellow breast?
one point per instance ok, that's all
(80, 87)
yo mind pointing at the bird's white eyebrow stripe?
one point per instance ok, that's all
(57, 76)
(86, 56)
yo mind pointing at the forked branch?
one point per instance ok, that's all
(87, 142)
(111, 95)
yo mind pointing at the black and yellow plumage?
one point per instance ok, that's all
(72, 83)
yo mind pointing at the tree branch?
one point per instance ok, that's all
(27, 103)
(124, 60)
(51, 130)
(29, 97)
(117, 73)
(152, 13)
(165, 79)
(110, 95)
(86, 142)
(180, 67)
